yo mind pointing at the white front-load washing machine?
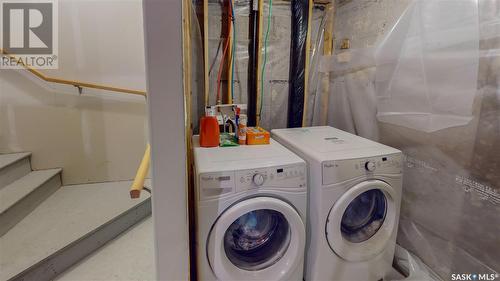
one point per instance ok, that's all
(251, 204)
(355, 188)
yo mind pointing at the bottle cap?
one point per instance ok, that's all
(209, 111)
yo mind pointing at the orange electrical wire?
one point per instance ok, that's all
(221, 67)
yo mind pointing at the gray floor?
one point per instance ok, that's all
(128, 257)
(67, 215)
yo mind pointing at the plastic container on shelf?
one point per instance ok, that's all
(242, 129)
(257, 135)
(209, 129)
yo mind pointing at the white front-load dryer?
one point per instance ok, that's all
(355, 188)
(251, 204)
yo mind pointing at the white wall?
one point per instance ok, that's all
(163, 40)
(95, 137)
(102, 42)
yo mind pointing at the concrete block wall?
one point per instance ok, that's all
(365, 21)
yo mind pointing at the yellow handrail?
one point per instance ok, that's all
(75, 83)
(142, 172)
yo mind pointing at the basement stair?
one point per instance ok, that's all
(21, 189)
(46, 228)
(128, 257)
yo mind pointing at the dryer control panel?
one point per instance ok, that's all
(219, 184)
(342, 170)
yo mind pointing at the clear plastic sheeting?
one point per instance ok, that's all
(412, 267)
(353, 106)
(276, 77)
(348, 61)
(450, 213)
(313, 97)
(278, 59)
(216, 49)
(427, 66)
(276, 73)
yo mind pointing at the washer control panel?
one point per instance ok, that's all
(220, 184)
(342, 170)
(293, 176)
(214, 185)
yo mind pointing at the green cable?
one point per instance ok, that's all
(265, 57)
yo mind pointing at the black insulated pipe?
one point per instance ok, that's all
(296, 89)
(252, 63)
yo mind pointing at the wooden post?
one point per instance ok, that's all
(260, 29)
(229, 56)
(206, 62)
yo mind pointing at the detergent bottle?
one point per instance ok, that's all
(209, 129)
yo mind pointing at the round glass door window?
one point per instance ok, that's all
(257, 239)
(364, 216)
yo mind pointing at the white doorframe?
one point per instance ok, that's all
(163, 47)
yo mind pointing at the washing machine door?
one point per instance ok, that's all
(261, 238)
(361, 222)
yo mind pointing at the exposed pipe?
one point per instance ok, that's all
(252, 63)
(296, 90)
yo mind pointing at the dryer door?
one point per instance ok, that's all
(362, 221)
(260, 238)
